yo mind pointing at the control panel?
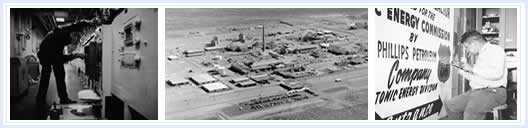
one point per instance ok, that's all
(130, 52)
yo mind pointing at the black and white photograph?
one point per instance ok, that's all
(83, 63)
(266, 63)
(445, 63)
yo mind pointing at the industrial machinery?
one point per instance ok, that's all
(130, 65)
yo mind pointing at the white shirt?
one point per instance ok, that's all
(489, 70)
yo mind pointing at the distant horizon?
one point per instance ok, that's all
(175, 17)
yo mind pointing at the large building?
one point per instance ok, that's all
(201, 79)
(265, 65)
(214, 48)
(246, 83)
(243, 81)
(239, 79)
(239, 68)
(215, 87)
(176, 80)
(190, 53)
(239, 46)
(294, 72)
(263, 78)
(291, 86)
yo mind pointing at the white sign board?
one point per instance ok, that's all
(412, 51)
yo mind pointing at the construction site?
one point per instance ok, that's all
(266, 64)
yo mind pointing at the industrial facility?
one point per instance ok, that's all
(247, 70)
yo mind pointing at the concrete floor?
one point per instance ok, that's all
(24, 107)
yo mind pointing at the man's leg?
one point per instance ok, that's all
(455, 106)
(482, 101)
(41, 106)
(43, 85)
(58, 70)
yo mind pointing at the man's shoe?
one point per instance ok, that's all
(68, 101)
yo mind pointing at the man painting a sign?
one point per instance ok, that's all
(487, 78)
(417, 56)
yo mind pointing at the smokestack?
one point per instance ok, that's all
(263, 43)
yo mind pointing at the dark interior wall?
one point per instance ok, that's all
(24, 23)
(26, 32)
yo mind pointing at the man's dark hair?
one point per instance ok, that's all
(471, 34)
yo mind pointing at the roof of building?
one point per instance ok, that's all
(239, 66)
(175, 79)
(193, 51)
(259, 76)
(249, 82)
(237, 79)
(293, 85)
(201, 78)
(214, 86)
(213, 48)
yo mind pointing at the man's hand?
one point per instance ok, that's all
(466, 67)
(456, 62)
(462, 66)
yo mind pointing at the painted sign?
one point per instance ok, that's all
(412, 54)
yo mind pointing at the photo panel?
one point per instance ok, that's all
(266, 63)
(83, 63)
(445, 63)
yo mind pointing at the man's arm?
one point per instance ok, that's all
(68, 58)
(81, 25)
(475, 78)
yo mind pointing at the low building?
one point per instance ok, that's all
(247, 83)
(291, 86)
(190, 53)
(220, 70)
(265, 65)
(239, 79)
(239, 68)
(215, 48)
(201, 79)
(262, 79)
(176, 80)
(261, 68)
(215, 87)
(238, 46)
(292, 68)
(243, 81)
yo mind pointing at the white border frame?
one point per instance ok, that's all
(521, 13)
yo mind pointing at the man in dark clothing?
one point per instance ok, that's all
(51, 56)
